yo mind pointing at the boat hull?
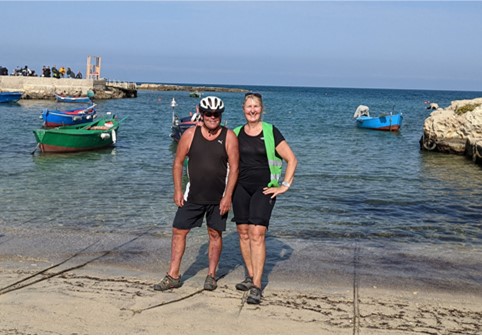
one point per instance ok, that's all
(56, 118)
(384, 123)
(180, 125)
(69, 99)
(90, 136)
(10, 97)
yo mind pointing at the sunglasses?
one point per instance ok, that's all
(256, 94)
(212, 114)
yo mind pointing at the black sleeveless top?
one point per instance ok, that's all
(207, 168)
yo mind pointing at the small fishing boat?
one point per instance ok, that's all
(55, 118)
(180, 124)
(98, 134)
(10, 97)
(71, 99)
(195, 94)
(384, 122)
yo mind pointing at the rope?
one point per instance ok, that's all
(356, 282)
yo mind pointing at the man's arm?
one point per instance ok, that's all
(233, 161)
(178, 163)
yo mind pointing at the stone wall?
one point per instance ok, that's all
(46, 88)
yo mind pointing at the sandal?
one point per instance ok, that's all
(254, 296)
(245, 285)
(210, 283)
(168, 283)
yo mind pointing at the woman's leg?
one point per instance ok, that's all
(244, 245)
(257, 248)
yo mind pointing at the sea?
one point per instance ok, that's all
(351, 185)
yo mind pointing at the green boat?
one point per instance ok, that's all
(76, 138)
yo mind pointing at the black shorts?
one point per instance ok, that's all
(251, 206)
(191, 215)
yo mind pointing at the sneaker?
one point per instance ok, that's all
(254, 296)
(210, 283)
(245, 285)
(168, 283)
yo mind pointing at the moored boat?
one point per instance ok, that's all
(384, 122)
(71, 99)
(10, 97)
(55, 118)
(180, 124)
(98, 134)
(195, 94)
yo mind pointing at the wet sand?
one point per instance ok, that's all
(57, 282)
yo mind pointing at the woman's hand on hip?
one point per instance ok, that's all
(275, 191)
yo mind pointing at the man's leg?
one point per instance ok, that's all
(215, 249)
(178, 245)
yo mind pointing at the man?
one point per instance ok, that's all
(212, 169)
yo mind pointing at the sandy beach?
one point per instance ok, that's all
(59, 282)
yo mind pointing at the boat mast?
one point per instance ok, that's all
(173, 106)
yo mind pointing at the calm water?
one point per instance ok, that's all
(350, 184)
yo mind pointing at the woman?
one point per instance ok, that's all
(262, 148)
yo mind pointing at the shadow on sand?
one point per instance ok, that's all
(276, 251)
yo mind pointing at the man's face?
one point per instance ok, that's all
(212, 119)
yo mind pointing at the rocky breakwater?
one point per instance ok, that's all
(46, 88)
(167, 87)
(456, 129)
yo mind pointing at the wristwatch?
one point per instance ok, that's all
(286, 184)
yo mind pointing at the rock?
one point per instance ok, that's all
(473, 149)
(166, 87)
(448, 130)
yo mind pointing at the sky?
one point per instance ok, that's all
(434, 45)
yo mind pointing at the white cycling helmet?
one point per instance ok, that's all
(211, 104)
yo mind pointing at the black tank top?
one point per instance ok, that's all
(207, 168)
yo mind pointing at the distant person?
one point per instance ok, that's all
(26, 71)
(62, 71)
(3, 71)
(211, 149)
(45, 71)
(55, 72)
(79, 75)
(70, 73)
(262, 148)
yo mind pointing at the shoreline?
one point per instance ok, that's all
(101, 283)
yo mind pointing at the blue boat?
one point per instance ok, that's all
(386, 122)
(70, 99)
(10, 97)
(55, 118)
(181, 124)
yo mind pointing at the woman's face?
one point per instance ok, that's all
(252, 109)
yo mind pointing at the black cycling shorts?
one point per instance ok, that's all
(191, 215)
(251, 206)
